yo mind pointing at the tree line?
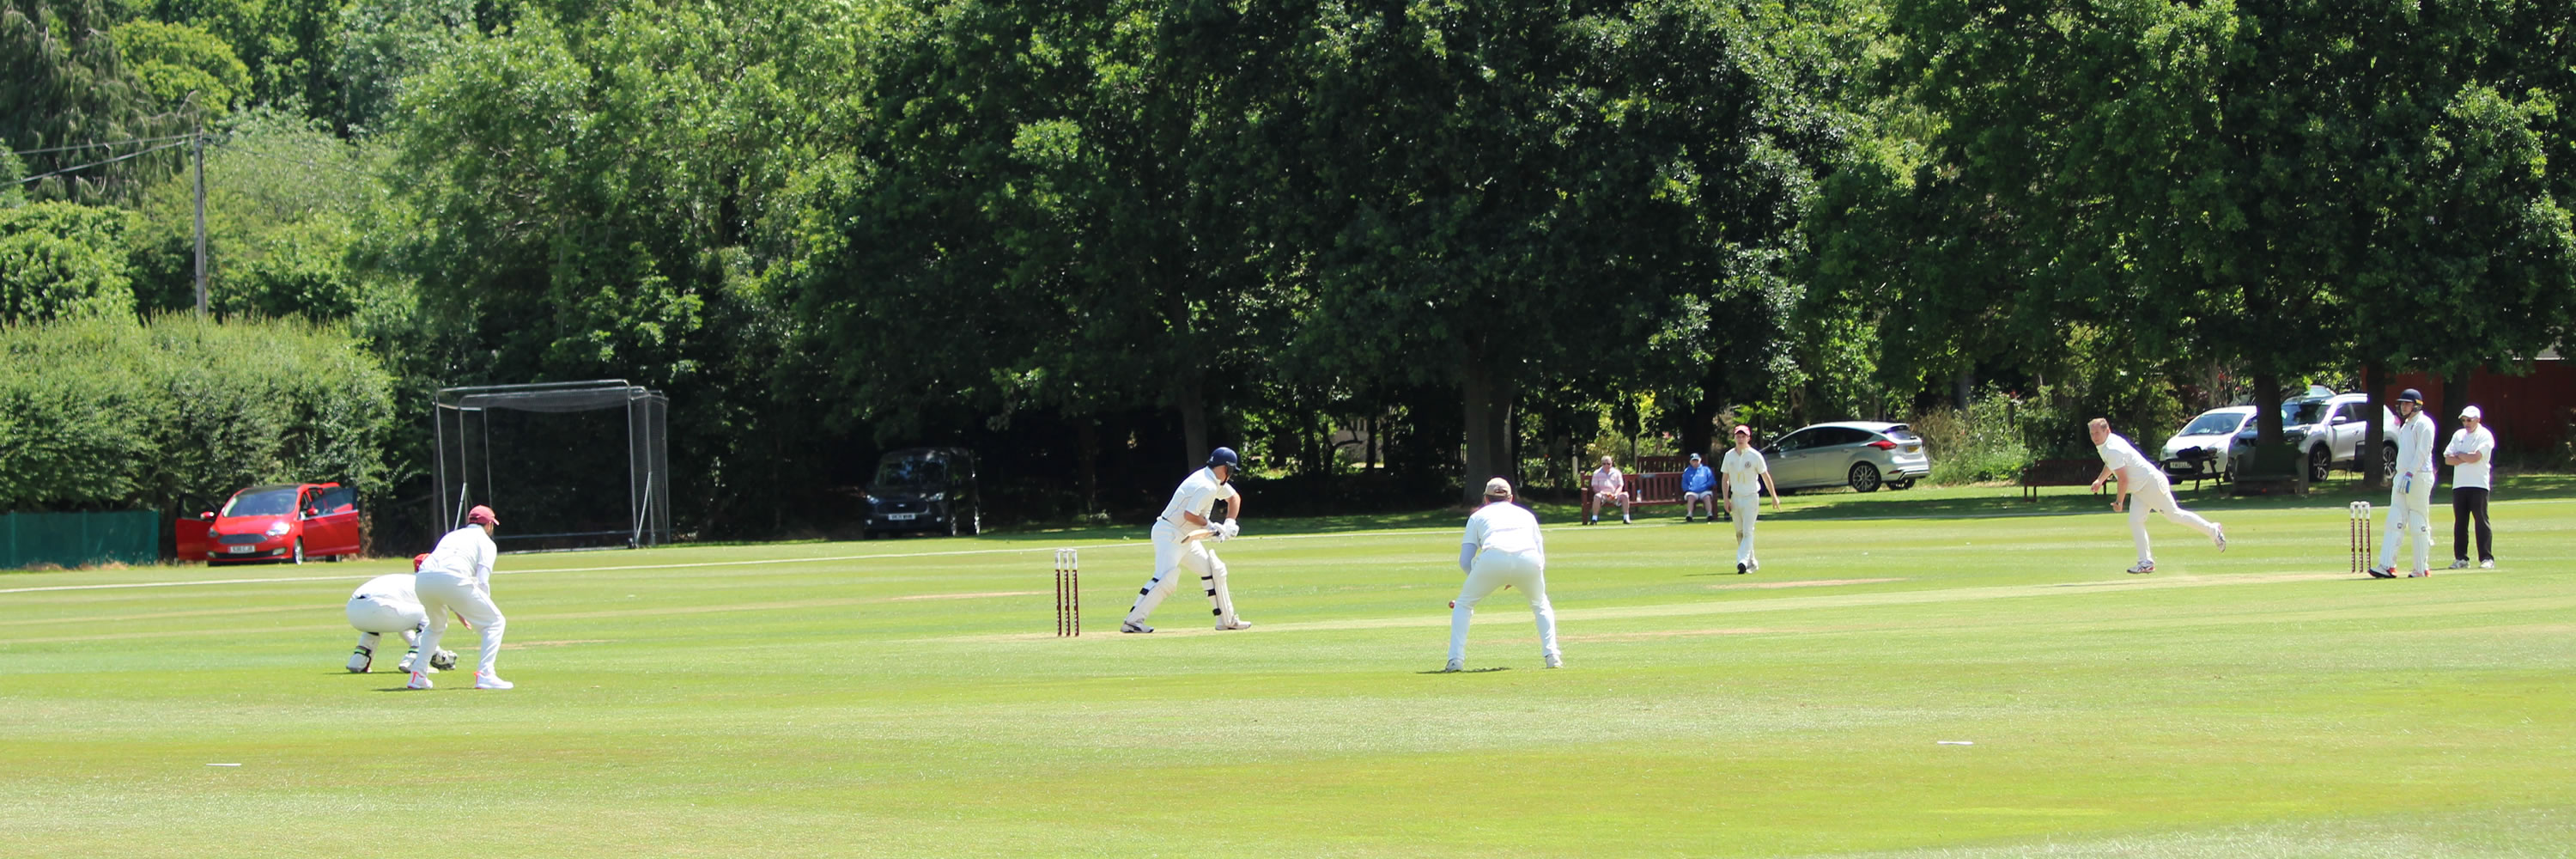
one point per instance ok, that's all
(1092, 239)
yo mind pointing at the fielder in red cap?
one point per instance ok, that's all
(457, 577)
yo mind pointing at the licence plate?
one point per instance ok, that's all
(240, 550)
(900, 517)
(1913, 448)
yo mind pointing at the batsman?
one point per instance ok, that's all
(1182, 535)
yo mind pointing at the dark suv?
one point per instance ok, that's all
(924, 489)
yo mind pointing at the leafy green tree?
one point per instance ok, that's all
(380, 42)
(1049, 210)
(1506, 196)
(175, 62)
(2246, 184)
(63, 90)
(284, 203)
(581, 196)
(285, 45)
(63, 260)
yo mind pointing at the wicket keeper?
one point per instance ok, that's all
(386, 605)
(1182, 535)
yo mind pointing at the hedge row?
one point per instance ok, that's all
(108, 413)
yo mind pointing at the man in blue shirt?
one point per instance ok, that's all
(1699, 489)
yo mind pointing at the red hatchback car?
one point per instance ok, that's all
(279, 522)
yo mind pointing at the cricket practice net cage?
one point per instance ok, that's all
(546, 458)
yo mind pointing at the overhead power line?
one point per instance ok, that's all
(98, 145)
(101, 163)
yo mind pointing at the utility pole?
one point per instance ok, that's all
(198, 144)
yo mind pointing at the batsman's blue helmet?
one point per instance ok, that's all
(2411, 395)
(1224, 456)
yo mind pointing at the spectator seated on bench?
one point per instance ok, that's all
(2057, 472)
(1608, 487)
(1699, 489)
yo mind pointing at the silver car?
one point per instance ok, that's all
(1862, 454)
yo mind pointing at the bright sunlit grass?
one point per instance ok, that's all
(1968, 685)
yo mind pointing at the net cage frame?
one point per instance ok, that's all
(462, 415)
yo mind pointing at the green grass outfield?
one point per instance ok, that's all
(907, 698)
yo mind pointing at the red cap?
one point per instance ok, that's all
(1743, 429)
(481, 515)
(417, 559)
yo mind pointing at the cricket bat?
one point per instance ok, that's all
(1200, 534)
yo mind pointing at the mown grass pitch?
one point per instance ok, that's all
(910, 698)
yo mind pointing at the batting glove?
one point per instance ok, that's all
(1229, 530)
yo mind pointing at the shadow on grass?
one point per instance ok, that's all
(1466, 670)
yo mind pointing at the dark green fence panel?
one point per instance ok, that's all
(78, 539)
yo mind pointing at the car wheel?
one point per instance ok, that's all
(2387, 462)
(299, 550)
(2318, 461)
(1864, 477)
(1901, 485)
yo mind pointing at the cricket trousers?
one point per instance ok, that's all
(2470, 502)
(2410, 517)
(1746, 507)
(443, 592)
(1490, 572)
(1172, 558)
(2157, 496)
(375, 616)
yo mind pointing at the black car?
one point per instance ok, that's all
(924, 489)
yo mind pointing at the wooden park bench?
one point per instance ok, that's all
(2057, 472)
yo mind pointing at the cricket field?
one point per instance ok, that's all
(1932, 673)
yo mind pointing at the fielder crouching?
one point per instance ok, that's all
(1181, 543)
(457, 577)
(1502, 548)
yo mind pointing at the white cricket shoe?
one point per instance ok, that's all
(359, 661)
(2142, 567)
(1756, 564)
(418, 681)
(1555, 661)
(1132, 626)
(2486, 565)
(1455, 666)
(1237, 623)
(1624, 520)
(2460, 564)
(491, 681)
(2218, 535)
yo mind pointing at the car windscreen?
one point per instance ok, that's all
(2301, 414)
(1899, 432)
(911, 472)
(266, 502)
(2214, 423)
